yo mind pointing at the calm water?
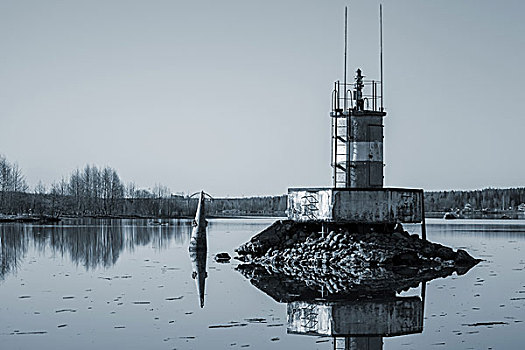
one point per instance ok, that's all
(125, 284)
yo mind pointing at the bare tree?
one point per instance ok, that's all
(131, 191)
(18, 180)
(5, 181)
(12, 184)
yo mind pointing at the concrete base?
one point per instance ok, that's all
(356, 205)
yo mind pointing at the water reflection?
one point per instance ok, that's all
(199, 273)
(13, 248)
(89, 243)
(358, 317)
(357, 323)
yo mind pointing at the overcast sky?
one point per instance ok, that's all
(234, 96)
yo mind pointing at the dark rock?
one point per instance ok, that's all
(446, 253)
(289, 242)
(428, 250)
(464, 258)
(399, 235)
(406, 259)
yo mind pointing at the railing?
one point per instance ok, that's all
(345, 100)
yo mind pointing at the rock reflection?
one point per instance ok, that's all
(90, 243)
(359, 315)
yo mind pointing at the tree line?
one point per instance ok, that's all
(97, 191)
(490, 199)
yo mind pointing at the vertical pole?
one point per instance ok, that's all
(347, 119)
(381, 49)
(347, 149)
(338, 94)
(346, 41)
(335, 131)
(332, 150)
(423, 226)
(423, 297)
(373, 96)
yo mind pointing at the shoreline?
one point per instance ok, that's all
(52, 219)
(5, 218)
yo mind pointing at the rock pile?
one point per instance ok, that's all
(294, 260)
(287, 243)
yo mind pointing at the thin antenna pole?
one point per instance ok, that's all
(381, 50)
(346, 44)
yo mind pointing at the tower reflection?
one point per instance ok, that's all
(358, 317)
(357, 324)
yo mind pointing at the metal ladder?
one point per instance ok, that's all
(340, 150)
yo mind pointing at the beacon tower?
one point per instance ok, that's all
(357, 198)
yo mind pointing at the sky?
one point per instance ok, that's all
(233, 96)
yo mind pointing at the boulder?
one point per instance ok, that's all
(399, 235)
(464, 258)
(222, 257)
(406, 259)
(446, 253)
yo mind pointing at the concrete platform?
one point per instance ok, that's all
(356, 205)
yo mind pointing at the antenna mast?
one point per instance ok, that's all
(381, 50)
(346, 44)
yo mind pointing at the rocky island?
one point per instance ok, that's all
(341, 261)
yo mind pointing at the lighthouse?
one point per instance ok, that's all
(357, 197)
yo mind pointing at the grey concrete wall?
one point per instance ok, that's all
(377, 206)
(370, 206)
(310, 204)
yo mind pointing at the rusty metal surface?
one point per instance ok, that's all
(366, 175)
(356, 205)
(357, 318)
(359, 126)
(366, 151)
(365, 156)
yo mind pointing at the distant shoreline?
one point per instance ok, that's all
(50, 219)
(479, 214)
(45, 219)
